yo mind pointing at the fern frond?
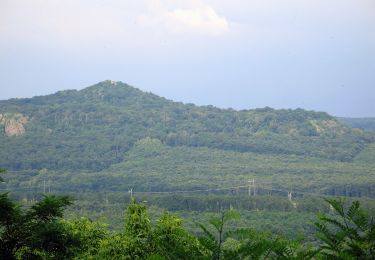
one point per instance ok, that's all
(338, 205)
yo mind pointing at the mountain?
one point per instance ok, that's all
(98, 143)
(94, 128)
(362, 123)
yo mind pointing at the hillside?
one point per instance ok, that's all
(98, 143)
(154, 167)
(362, 123)
(94, 128)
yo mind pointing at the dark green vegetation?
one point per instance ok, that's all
(36, 233)
(98, 143)
(41, 233)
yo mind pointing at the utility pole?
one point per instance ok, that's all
(252, 187)
(290, 193)
(255, 192)
(43, 174)
(131, 193)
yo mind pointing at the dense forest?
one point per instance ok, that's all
(92, 129)
(111, 144)
(41, 232)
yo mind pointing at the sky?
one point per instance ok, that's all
(312, 54)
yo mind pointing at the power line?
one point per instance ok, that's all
(189, 191)
(261, 186)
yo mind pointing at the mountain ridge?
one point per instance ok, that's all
(359, 122)
(92, 129)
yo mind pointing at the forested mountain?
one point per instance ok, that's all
(362, 123)
(98, 143)
(94, 128)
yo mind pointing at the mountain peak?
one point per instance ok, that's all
(113, 82)
(96, 126)
(110, 82)
(110, 86)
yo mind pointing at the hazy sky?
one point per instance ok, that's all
(314, 54)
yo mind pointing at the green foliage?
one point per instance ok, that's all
(214, 242)
(172, 241)
(247, 243)
(90, 235)
(50, 208)
(137, 231)
(34, 233)
(41, 233)
(116, 246)
(350, 234)
(1, 171)
(9, 210)
(137, 222)
(253, 244)
(140, 240)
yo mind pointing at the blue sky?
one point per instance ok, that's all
(314, 54)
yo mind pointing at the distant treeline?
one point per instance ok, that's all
(362, 123)
(41, 232)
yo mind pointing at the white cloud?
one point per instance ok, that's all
(63, 23)
(147, 27)
(192, 16)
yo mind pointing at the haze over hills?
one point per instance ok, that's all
(362, 123)
(93, 128)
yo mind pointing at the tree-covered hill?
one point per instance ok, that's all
(362, 123)
(151, 166)
(94, 128)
